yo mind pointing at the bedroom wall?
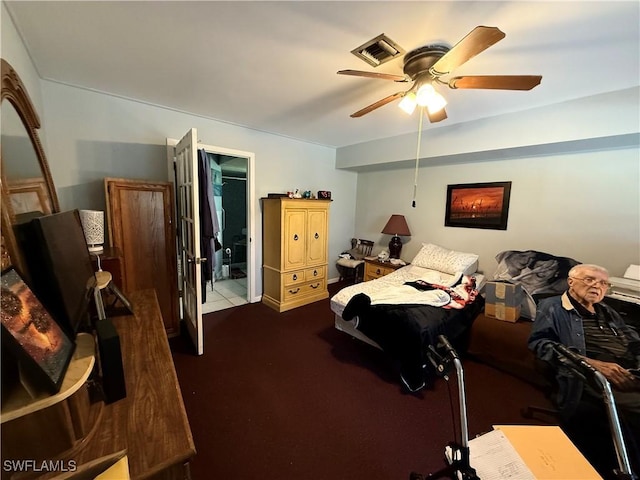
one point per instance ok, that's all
(581, 205)
(93, 135)
(89, 135)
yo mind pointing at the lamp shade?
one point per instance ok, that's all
(396, 225)
(93, 228)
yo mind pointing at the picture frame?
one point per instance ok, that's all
(478, 205)
(39, 344)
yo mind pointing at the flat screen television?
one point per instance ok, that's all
(59, 266)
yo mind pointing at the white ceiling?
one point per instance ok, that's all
(272, 66)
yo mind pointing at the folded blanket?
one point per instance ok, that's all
(422, 292)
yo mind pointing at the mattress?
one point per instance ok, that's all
(389, 315)
(373, 288)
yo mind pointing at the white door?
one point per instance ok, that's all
(189, 235)
(252, 207)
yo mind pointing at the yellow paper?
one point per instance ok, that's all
(548, 452)
(117, 471)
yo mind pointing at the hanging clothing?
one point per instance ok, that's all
(209, 227)
(216, 191)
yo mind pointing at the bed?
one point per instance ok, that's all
(404, 312)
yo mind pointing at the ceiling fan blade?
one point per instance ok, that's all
(477, 41)
(381, 76)
(377, 104)
(496, 82)
(436, 117)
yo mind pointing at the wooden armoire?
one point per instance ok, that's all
(140, 219)
(295, 251)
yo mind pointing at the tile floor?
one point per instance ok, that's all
(226, 293)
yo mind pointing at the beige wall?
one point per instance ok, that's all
(582, 205)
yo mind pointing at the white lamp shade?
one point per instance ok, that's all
(408, 103)
(93, 227)
(428, 97)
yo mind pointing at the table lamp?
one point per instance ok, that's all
(93, 228)
(396, 226)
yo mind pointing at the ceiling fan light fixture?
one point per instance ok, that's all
(408, 103)
(428, 97)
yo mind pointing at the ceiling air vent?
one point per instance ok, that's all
(378, 51)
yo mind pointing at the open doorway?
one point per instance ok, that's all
(237, 166)
(229, 288)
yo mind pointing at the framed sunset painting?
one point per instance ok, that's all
(478, 205)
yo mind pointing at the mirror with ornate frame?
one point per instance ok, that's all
(27, 186)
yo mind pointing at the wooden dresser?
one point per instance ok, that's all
(150, 425)
(295, 251)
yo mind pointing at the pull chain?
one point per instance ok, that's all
(415, 177)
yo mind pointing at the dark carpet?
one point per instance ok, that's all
(287, 396)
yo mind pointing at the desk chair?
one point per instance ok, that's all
(350, 265)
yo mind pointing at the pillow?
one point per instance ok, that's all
(447, 261)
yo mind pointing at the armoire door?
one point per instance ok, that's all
(317, 237)
(139, 217)
(294, 239)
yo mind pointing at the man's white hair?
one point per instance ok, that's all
(587, 266)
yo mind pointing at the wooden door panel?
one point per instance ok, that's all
(140, 225)
(294, 239)
(317, 237)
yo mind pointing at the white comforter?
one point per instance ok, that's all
(391, 288)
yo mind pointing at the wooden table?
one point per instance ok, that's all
(150, 424)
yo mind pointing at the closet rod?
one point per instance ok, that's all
(233, 178)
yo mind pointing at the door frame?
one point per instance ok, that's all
(252, 270)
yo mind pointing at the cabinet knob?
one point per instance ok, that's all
(295, 277)
(317, 236)
(378, 271)
(295, 237)
(294, 291)
(315, 273)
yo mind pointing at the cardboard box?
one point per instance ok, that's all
(503, 300)
(502, 312)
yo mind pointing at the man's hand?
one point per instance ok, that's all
(619, 377)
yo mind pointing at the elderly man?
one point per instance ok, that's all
(598, 334)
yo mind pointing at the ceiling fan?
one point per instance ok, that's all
(425, 67)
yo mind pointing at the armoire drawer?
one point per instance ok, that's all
(293, 278)
(308, 288)
(314, 273)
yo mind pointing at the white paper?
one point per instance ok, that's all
(494, 458)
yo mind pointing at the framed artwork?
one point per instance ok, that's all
(39, 344)
(478, 205)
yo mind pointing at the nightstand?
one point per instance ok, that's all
(375, 269)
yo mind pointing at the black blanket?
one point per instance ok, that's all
(406, 331)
